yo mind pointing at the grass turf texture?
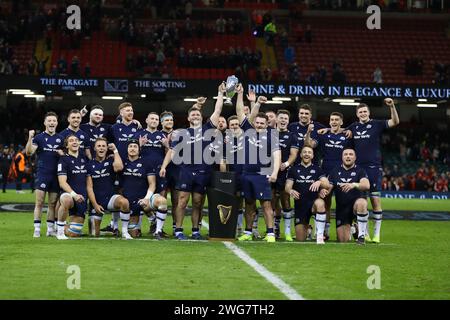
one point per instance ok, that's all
(413, 259)
(388, 204)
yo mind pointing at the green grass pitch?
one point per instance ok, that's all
(413, 258)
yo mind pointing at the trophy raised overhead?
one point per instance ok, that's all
(230, 86)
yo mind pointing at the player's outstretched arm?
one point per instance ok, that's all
(394, 120)
(218, 106)
(240, 103)
(308, 140)
(30, 148)
(200, 103)
(255, 110)
(117, 162)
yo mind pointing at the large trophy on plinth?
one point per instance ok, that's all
(230, 86)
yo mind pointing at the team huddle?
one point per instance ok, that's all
(130, 171)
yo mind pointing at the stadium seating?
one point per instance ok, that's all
(23, 52)
(360, 50)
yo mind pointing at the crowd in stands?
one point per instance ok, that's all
(442, 73)
(233, 58)
(424, 150)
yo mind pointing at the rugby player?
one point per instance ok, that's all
(138, 183)
(261, 166)
(100, 184)
(153, 149)
(349, 182)
(289, 152)
(46, 146)
(74, 119)
(233, 161)
(167, 124)
(304, 182)
(72, 171)
(96, 128)
(331, 144)
(367, 142)
(189, 147)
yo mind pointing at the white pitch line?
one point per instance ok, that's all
(285, 289)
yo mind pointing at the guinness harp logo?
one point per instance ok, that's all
(224, 213)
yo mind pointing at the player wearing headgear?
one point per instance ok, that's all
(96, 128)
(138, 182)
(46, 146)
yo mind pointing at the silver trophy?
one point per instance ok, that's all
(230, 85)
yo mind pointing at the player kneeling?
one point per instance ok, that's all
(349, 182)
(139, 184)
(100, 185)
(304, 183)
(72, 180)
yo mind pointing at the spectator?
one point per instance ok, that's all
(299, 32)
(435, 154)
(130, 63)
(54, 71)
(339, 75)
(230, 26)
(87, 70)
(322, 75)
(284, 40)
(294, 72)
(308, 34)
(188, 9)
(289, 55)
(31, 66)
(160, 58)
(220, 25)
(270, 32)
(15, 67)
(41, 65)
(75, 66)
(441, 185)
(62, 66)
(378, 76)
